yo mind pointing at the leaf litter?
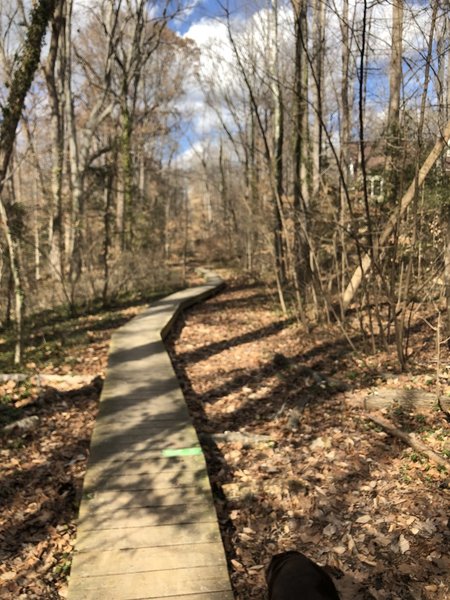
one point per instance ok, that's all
(330, 484)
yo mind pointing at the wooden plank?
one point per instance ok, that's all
(157, 584)
(118, 480)
(112, 415)
(153, 412)
(173, 431)
(138, 384)
(157, 464)
(143, 426)
(159, 374)
(134, 368)
(100, 454)
(157, 407)
(114, 562)
(147, 537)
(107, 445)
(148, 516)
(116, 499)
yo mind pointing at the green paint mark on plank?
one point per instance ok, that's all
(172, 452)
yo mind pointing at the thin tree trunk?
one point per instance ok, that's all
(53, 71)
(344, 140)
(107, 239)
(126, 164)
(318, 34)
(301, 249)
(278, 134)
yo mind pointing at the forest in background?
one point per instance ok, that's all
(324, 168)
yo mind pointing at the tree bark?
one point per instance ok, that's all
(53, 71)
(318, 35)
(301, 248)
(21, 81)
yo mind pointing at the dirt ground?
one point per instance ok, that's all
(293, 461)
(307, 470)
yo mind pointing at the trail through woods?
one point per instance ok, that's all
(293, 460)
(306, 470)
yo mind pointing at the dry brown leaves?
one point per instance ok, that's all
(42, 472)
(329, 484)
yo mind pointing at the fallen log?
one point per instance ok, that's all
(411, 440)
(45, 378)
(246, 490)
(16, 377)
(232, 437)
(23, 425)
(407, 399)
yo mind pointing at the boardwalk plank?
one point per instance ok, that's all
(117, 499)
(147, 537)
(114, 562)
(152, 584)
(101, 444)
(119, 479)
(174, 514)
(99, 456)
(157, 464)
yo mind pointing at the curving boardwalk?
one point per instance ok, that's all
(147, 525)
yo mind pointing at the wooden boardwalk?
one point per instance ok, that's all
(147, 526)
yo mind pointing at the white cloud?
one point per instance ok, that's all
(251, 32)
(193, 154)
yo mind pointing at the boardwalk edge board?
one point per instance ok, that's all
(147, 522)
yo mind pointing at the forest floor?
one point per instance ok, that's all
(293, 461)
(307, 470)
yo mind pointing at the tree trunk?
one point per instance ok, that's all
(53, 70)
(107, 239)
(278, 141)
(126, 164)
(366, 262)
(21, 80)
(317, 63)
(301, 249)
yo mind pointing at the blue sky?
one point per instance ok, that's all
(208, 9)
(200, 10)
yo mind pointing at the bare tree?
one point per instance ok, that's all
(21, 80)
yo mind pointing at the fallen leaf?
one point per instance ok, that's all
(403, 544)
(363, 519)
(237, 565)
